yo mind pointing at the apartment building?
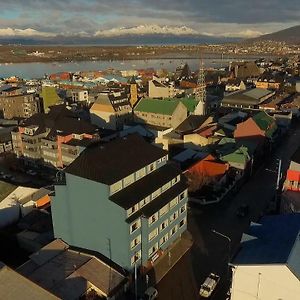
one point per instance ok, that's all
(111, 110)
(56, 138)
(122, 199)
(79, 95)
(164, 113)
(16, 104)
(159, 89)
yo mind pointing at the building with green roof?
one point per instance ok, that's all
(164, 113)
(266, 123)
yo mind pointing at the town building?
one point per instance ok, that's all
(267, 264)
(69, 273)
(249, 99)
(5, 139)
(79, 95)
(111, 111)
(163, 113)
(49, 97)
(56, 138)
(14, 286)
(244, 69)
(161, 89)
(292, 181)
(128, 182)
(16, 104)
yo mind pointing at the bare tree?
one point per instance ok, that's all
(197, 180)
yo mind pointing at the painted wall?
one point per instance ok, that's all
(84, 217)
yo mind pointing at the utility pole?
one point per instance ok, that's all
(258, 286)
(229, 247)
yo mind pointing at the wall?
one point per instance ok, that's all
(179, 115)
(84, 217)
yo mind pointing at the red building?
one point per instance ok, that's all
(292, 181)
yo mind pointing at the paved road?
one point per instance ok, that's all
(210, 251)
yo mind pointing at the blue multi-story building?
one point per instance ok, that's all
(122, 199)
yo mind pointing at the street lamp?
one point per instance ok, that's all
(229, 247)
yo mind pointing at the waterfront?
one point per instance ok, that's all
(38, 69)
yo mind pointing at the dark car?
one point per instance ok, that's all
(243, 210)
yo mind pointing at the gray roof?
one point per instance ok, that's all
(249, 97)
(111, 162)
(14, 286)
(70, 273)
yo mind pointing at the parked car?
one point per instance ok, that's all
(209, 285)
(31, 172)
(243, 210)
(151, 293)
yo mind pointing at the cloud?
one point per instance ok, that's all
(28, 32)
(147, 29)
(248, 33)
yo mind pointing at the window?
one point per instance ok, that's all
(182, 222)
(173, 202)
(164, 239)
(115, 187)
(144, 201)
(134, 226)
(153, 249)
(153, 234)
(153, 218)
(183, 209)
(128, 180)
(140, 173)
(166, 186)
(151, 167)
(132, 210)
(136, 257)
(165, 158)
(159, 161)
(164, 210)
(163, 225)
(174, 216)
(155, 194)
(174, 230)
(135, 242)
(181, 196)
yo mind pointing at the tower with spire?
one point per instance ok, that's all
(201, 91)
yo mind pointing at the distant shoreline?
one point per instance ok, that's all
(67, 54)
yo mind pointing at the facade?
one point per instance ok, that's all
(159, 89)
(50, 97)
(132, 196)
(56, 138)
(16, 104)
(5, 139)
(292, 181)
(111, 111)
(80, 95)
(163, 113)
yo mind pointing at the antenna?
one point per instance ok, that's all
(201, 88)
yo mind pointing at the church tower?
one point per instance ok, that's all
(201, 92)
(133, 92)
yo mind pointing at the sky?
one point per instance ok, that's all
(226, 18)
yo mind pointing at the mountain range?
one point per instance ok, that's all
(142, 34)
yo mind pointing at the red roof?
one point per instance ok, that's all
(209, 167)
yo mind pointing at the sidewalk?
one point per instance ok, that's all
(165, 263)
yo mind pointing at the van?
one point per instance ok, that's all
(209, 285)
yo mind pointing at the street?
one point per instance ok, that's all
(211, 251)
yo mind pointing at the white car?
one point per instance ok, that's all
(209, 285)
(151, 293)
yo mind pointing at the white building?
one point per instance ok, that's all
(80, 95)
(268, 264)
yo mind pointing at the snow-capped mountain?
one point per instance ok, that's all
(147, 30)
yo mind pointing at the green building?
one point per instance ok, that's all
(49, 96)
(122, 199)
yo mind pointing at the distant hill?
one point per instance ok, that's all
(289, 35)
